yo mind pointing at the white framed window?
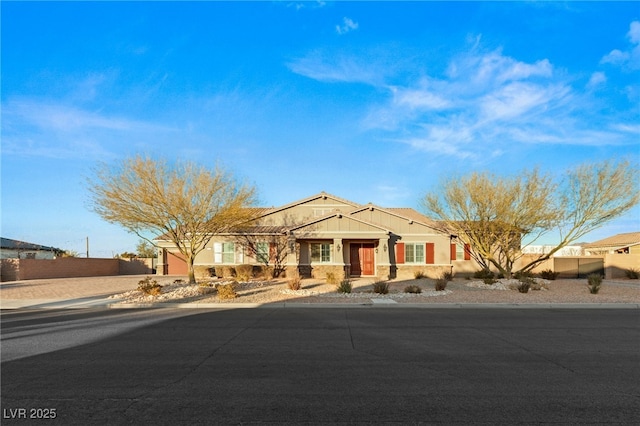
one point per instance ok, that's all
(321, 252)
(262, 252)
(224, 253)
(317, 212)
(414, 253)
(459, 251)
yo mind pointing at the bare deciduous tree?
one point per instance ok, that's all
(185, 203)
(269, 243)
(495, 214)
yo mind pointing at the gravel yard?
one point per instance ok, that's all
(122, 289)
(457, 291)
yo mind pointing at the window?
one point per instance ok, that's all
(224, 253)
(262, 252)
(321, 252)
(460, 251)
(414, 253)
(317, 212)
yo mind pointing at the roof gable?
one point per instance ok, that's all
(303, 210)
(338, 222)
(399, 220)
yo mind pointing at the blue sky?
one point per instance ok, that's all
(371, 101)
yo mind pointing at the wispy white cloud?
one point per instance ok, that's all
(36, 127)
(482, 99)
(630, 57)
(336, 68)
(303, 4)
(347, 25)
(597, 79)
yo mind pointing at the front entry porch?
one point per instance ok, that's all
(362, 259)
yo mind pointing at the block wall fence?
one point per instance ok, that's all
(71, 267)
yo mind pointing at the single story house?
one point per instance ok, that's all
(628, 243)
(14, 249)
(325, 234)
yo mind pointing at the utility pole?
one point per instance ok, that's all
(87, 246)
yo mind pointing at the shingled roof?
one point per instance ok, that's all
(616, 241)
(9, 244)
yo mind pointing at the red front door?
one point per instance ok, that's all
(362, 259)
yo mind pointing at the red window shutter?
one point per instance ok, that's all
(453, 252)
(430, 253)
(399, 253)
(272, 252)
(467, 252)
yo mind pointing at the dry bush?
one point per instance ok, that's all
(227, 291)
(244, 272)
(149, 287)
(294, 283)
(414, 289)
(381, 287)
(440, 284)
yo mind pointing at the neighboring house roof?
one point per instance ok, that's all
(616, 242)
(9, 244)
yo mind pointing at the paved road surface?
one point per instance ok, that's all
(321, 366)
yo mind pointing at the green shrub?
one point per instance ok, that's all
(594, 282)
(526, 283)
(483, 273)
(632, 273)
(440, 284)
(294, 283)
(413, 289)
(419, 275)
(331, 278)
(244, 272)
(149, 286)
(548, 274)
(523, 274)
(489, 280)
(227, 291)
(381, 287)
(538, 286)
(345, 286)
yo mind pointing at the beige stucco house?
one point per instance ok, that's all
(325, 234)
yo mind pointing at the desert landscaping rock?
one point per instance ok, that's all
(122, 290)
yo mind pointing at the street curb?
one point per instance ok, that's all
(16, 304)
(284, 305)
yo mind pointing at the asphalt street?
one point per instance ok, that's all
(321, 366)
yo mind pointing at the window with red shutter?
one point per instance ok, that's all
(430, 253)
(467, 252)
(453, 251)
(399, 253)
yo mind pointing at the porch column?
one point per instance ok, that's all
(293, 255)
(339, 256)
(383, 259)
